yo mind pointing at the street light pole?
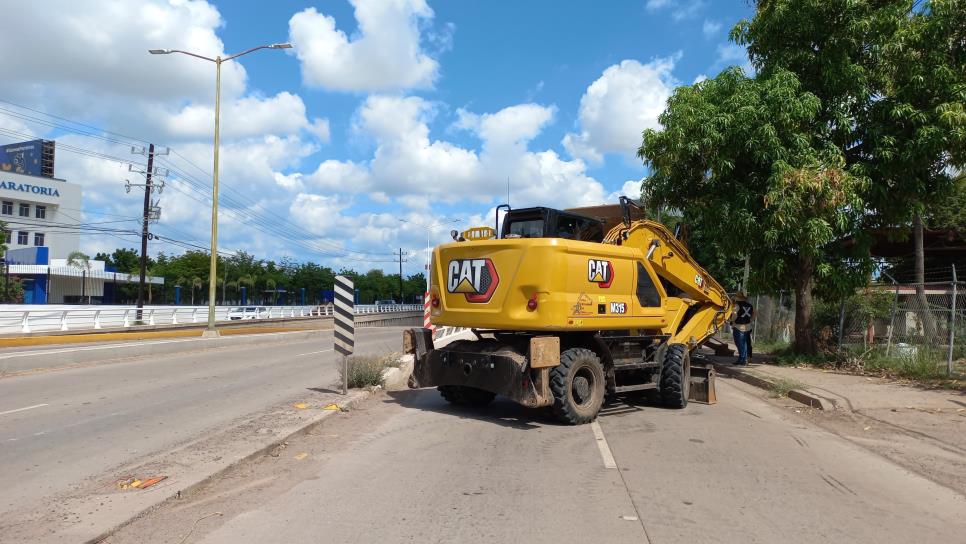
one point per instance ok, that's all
(212, 275)
(213, 266)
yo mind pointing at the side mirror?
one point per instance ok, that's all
(455, 234)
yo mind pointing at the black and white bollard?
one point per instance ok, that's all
(344, 325)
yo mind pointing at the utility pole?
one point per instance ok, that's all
(144, 230)
(151, 213)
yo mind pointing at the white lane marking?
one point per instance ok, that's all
(23, 409)
(602, 445)
(313, 352)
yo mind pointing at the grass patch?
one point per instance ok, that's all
(787, 357)
(780, 388)
(367, 370)
(771, 347)
(923, 364)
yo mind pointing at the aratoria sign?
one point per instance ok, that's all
(28, 188)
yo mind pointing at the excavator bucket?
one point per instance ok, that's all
(702, 385)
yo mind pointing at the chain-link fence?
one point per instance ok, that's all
(924, 324)
(886, 325)
(772, 324)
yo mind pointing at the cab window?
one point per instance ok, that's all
(532, 228)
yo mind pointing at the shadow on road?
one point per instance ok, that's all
(324, 390)
(501, 412)
(507, 413)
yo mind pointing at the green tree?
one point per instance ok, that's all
(123, 260)
(917, 128)
(13, 288)
(949, 209)
(81, 261)
(741, 152)
(891, 79)
(196, 283)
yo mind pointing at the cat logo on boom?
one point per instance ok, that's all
(475, 278)
(600, 272)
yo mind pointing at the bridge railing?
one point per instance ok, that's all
(27, 318)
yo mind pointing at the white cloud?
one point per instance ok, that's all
(416, 171)
(283, 113)
(631, 188)
(626, 99)
(385, 54)
(343, 176)
(101, 46)
(407, 160)
(680, 9)
(318, 214)
(320, 129)
(710, 28)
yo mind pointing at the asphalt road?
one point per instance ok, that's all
(406, 467)
(61, 428)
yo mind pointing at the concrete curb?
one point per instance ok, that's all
(356, 397)
(798, 395)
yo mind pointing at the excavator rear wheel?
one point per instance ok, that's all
(676, 376)
(577, 384)
(462, 395)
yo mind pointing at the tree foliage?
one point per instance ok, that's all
(265, 281)
(854, 119)
(738, 156)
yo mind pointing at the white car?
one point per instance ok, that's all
(248, 312)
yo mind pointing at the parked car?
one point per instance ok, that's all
(389, 302)
(248, 312)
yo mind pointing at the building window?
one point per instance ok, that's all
(41, 212)
(23, 238)
(24, 210)
(7, 236)
(38, 239)
(7, 208)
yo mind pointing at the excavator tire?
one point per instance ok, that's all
(675, 376)
(577, 385)
(462, 395)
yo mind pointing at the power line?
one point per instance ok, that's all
(243, 210)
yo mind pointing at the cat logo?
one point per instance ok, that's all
(600, 272)
(476, 279)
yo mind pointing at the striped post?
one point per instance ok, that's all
(427, 324)
(344, 325)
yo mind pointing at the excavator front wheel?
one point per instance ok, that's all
(577, 384)
(675, 383)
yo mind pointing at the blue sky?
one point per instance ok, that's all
(384, 110)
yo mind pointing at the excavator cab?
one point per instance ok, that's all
(543, 222)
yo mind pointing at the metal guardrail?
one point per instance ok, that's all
(26, 319)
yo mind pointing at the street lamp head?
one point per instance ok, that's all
(159, 51)
(280, 46)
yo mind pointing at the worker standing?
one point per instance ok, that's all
(741, 324)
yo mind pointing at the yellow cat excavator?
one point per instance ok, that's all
(567, 307)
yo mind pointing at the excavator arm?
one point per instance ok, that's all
(707, 303)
